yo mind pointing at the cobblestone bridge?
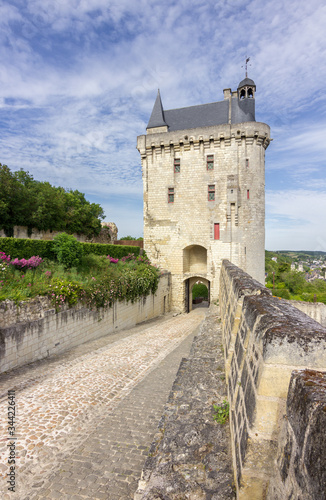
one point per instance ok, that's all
(85, 420)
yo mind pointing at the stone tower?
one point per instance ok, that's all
(203, 172)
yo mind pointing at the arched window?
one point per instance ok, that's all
(250, 93)
(243, 94)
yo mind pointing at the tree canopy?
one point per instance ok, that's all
(27, 202)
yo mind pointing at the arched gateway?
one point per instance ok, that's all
(203, 171)
(188, 287)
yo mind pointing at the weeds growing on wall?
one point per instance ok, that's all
(221, 412)
(97, 281)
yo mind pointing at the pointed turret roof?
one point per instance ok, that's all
(157, 116)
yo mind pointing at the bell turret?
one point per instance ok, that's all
(246, 89)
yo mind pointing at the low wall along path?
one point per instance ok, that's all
(268, 344)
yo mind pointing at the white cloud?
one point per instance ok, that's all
(295, 220)
(78, 80)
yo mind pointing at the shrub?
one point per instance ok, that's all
(63, 291)
(283, 293)
(20, 248)
(115, 251)
(199, 290)
(67, 249)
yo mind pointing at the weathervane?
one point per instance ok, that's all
(246, 65)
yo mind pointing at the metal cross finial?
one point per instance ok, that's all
(246, 65)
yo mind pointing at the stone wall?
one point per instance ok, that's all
(316, 310)
(301, 457)
(33, 330)
(191, 234)
(108, 234)
(134, 243)
(265, 338)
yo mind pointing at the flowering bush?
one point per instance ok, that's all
(4, 257)
(97, 283)
(31, 263)
(112, 260)
(64, 292)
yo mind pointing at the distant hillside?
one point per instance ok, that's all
(303, 281)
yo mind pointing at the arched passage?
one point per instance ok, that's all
(188, 286)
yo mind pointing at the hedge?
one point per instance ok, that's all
(25, 248)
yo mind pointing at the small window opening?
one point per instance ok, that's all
(176, 165)
(231, 191)
(248, 194)
(210, 162)
(247, 162)
(211, 192)
(171, 195)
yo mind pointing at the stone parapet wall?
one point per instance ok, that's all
(316, 310)
(33, 330)
(265, 338)
(301, 457)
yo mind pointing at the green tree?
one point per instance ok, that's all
(27, 202)
(82, 216)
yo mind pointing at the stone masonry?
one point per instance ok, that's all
(204, 190)
(266, 342)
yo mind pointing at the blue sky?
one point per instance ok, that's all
(78, 80)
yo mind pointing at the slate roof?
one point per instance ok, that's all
(157, 116)
(203, 115)
(246, 81)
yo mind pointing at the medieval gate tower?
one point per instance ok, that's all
(203, 172)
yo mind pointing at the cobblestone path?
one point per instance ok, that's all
(85, 419)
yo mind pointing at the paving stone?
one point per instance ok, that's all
(107, 388)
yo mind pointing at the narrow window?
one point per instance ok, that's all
(171, 195)
(247, 162)
(210, 162)
(176, 165)
(216, 231)
(248, 194)
(211, 192)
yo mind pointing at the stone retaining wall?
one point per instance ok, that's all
(265, 338)
(33, 330)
